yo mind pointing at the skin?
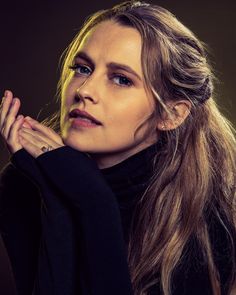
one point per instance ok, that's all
(120, 108)
(20, 132)
(120, 104)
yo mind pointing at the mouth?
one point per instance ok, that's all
(84, 116)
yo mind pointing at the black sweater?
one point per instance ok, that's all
(65, 224)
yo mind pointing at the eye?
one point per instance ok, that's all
(80, 69)
(122, 80)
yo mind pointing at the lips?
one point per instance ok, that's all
(76, 113)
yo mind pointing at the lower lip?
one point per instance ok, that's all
(77, 122)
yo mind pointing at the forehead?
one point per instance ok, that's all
(112, 42)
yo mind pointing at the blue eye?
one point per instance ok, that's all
(124, 81)
(83, 70)
(78, 67)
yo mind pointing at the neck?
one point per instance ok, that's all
(109, 159)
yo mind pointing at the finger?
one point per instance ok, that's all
(13, 143)
(26, 125)
(2, 101)
(5, 106)
(48, 132)
(10, 117)
(30, 145)
(13, 133)
(7, 93)
(37, 138)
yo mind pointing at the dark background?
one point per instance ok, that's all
(34, 35)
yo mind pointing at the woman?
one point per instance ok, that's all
(121, 193)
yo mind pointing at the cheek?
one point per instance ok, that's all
(131, 113)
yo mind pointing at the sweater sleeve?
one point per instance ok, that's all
(20, 224)
(58, 253)
(81, 183)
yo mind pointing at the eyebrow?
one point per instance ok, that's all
(111, 65)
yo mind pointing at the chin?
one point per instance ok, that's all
(69, 141)
(78, 143)
(81, 141)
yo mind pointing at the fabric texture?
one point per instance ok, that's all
(66, 223)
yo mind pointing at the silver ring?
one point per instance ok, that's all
(46, 149)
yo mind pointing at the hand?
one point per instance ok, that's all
(38, 138)
(10, 122)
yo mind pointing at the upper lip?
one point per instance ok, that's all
(77, 112)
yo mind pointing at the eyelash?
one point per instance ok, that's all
(129, 82)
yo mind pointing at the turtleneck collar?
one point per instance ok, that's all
(136, 169)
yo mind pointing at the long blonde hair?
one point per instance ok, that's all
(194, 179)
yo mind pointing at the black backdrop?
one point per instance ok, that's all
(34, 35)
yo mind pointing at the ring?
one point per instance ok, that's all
(46, 149)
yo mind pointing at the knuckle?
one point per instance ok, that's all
(3, 129)
(4, 134)
(3, 125)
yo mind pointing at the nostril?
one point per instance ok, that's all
(78, 98)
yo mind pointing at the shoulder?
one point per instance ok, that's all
(13, 179)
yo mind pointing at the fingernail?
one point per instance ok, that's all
(19, 117)
(25, 125)
(6, 93)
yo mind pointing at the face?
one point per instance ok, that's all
(112, 94)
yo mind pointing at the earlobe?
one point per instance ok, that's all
(180, 110)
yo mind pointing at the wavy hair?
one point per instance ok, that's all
(194, 172)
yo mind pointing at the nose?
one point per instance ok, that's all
(88, 90)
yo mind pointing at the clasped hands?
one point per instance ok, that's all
(24, 132)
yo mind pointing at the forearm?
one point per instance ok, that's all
(96, 214)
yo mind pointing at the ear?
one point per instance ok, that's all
(180, 110)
